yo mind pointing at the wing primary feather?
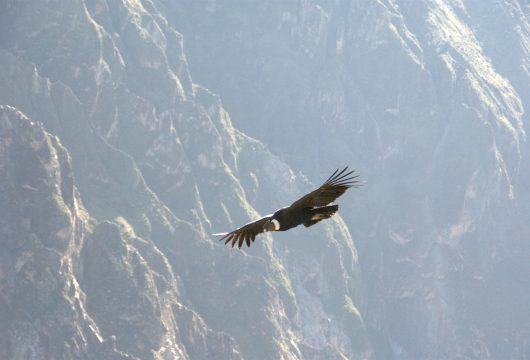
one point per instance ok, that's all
(340, 176)
(247, 239)
(227, 237)
(352, 182)
(335, 177)
(234, 241)
(344, 183)
(345, 177)
(241, 237)
(343, 180)
(331, 177)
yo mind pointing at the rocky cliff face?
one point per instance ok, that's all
(158, 166)
(43, 228)
(428, 98)
(133, 129)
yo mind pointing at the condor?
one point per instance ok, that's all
(308, 210)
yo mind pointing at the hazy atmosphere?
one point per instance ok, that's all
(131, 130)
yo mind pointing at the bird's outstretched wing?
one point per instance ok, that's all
(332, 188)
(246, 233)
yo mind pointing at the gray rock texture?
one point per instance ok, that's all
(132, 130)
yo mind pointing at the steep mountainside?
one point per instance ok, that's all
(72, 288)
(130, 130)
(158, 166)
(427, 98)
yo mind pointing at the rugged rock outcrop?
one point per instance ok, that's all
(158, 166)
(42, 229)
(427, 99)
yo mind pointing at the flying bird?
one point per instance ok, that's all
(308, 210)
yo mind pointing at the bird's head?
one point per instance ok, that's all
(271, 225)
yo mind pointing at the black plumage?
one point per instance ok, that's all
(308, 210)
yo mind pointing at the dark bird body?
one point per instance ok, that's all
(308, 210)
(289, 217)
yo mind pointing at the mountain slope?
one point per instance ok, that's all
(428, 99)
(173, 120)
(158, 165)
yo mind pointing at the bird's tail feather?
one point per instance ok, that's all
(321, 213)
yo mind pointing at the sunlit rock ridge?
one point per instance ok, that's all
(131, 130)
